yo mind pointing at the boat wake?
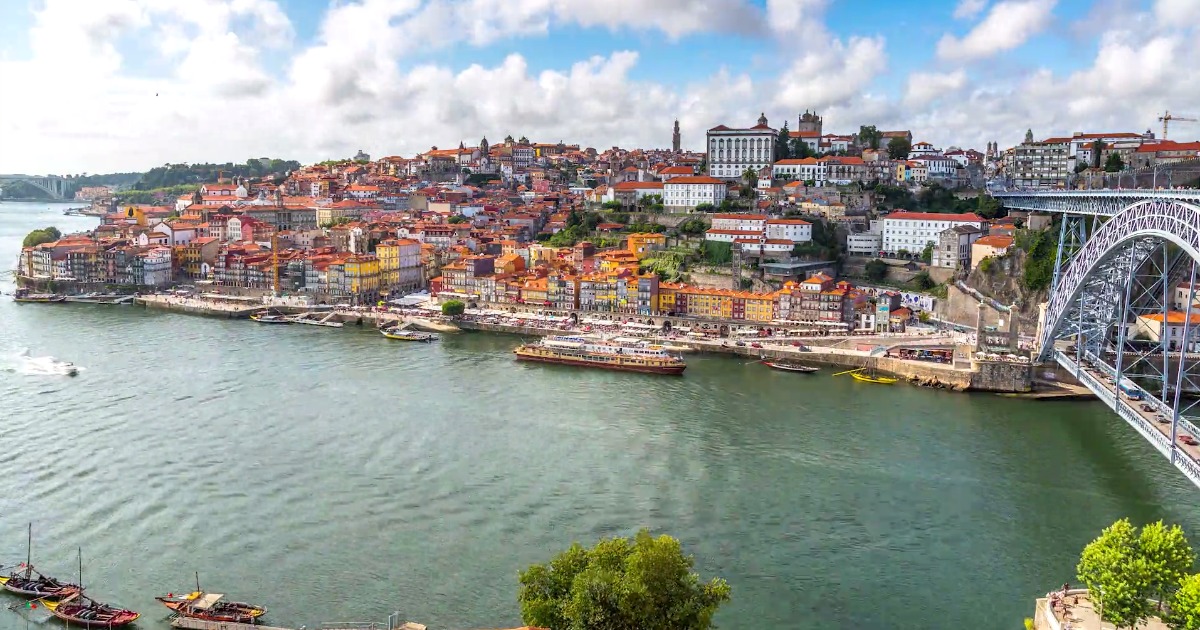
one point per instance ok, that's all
(44, 366)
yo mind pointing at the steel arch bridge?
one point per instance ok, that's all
(1120, 316)
(53, 185)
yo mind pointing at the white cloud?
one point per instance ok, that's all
(1008, 25)
(925, 87)
(968, 9)
(357, 84)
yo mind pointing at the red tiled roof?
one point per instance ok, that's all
(934, 216)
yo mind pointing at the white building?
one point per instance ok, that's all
(744, 222)
(803, 169)
(732, 151)
(682, 194)
(156, 266)
(911, 231)
(938, 166)
(864, 244)
(922, 148)
(764, 247)
(176, 234)
(793, 230)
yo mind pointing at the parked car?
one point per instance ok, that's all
(1147, 407)
(1189, 440)
(756, 345)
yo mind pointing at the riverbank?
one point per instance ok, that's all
(988, 376)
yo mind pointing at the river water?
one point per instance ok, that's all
(333, 475)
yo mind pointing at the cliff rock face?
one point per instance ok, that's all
(1002, 282)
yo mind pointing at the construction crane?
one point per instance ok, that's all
(1167, 117)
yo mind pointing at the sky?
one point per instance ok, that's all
(117, 85)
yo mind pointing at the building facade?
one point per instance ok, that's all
(732, 151)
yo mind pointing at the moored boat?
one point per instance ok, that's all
(400, 334)
(872, 378)
(80, 610)
(789, 366)
(212, 607)
(24, 296)
(648, 359)
(25, 580)
(267, 317)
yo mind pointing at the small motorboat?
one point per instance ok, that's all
(267, 317)
(400, 334)
(80, 610)
(26, 580)
(212, 607)
(788, 366)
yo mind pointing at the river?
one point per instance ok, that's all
(332, 475)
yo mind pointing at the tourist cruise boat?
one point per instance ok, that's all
(649, 359)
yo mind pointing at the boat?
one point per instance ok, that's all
(80, 610)
(647, 359)
(788, 366)
(24, 296)
(211, 607)
(267, 317)
(399, 334)
(25, 580)
(871, 378)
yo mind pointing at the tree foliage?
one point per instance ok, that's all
(176, 174)
(705, 207)
(923, 281)
(453, 308)
(898, 148)
(456, 219)
(692, 226)
(927, 253)
(613, 205)
(783, 143)
(876, 270)
(1185, 605)
(1123, 568)
(869, 136)
(1040, 249)
(716, 252)
(44, 235)
(645, 583)
(1114, 163)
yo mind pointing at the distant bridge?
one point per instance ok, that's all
(53, 185)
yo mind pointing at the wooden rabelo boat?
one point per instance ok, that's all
(872, 378)
(26, 580)
(788, 366)
(81, 610)
(211, 607)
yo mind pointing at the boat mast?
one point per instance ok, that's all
(81, 569)
(29, 550)
(197, 581)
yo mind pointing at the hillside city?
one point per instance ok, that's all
(756, 228)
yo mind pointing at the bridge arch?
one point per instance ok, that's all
(56, 187)
(1085, 300)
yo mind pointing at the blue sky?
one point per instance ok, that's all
(320, 78)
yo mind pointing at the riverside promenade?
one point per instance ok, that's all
(869, 352)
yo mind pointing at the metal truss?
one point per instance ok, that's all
(1087, 291)
(1105, 203)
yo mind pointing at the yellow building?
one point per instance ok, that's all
(666, 296)
(388, 253)
(534, 291)
(362, 277)
(642, 244)
(759, 307)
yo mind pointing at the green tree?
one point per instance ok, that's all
(1097, 151)
(783, 144)
(799, 149)
(44, 235)
(1117, 577)
(1114, 163)
(869, 136)
(923, 281)
(1169, 556)
(453, 308)
(1185, 605)
(876, 270)
(716, 252)
(750, 177)
(705, 207)
(619, 217)
(611, 206)
(645, 583)
(988, 207)
(898, 148)
(693, 226)
(927, 253)
(456, 218)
